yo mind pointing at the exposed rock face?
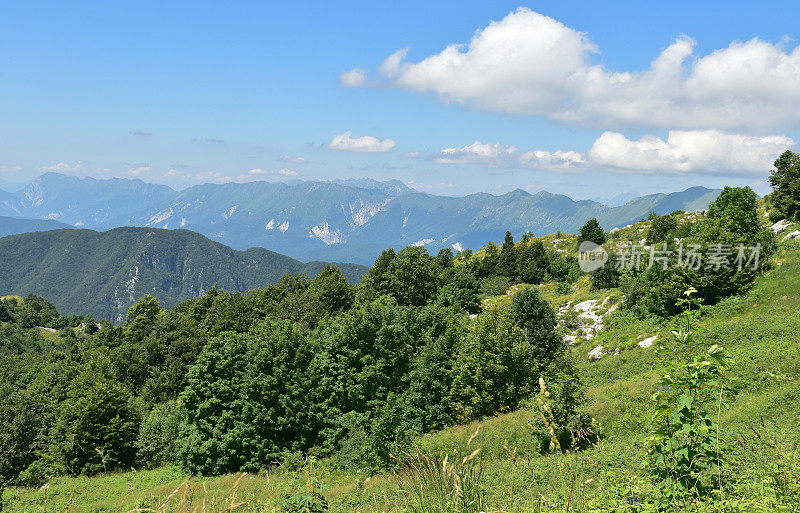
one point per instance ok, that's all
(793, 235)
(780, 226)
(648, 341)
(589, 318)
(596, 353)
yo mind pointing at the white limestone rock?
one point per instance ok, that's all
(648, 341)
(780, 226)
(596, 353)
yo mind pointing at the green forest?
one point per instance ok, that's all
(381, 396)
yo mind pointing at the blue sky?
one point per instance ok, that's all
(563, 96)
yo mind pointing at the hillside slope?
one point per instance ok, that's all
(103, 273)
(759, 427)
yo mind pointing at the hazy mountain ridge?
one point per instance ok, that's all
(346, 220)
(14, 225)
(104, 273)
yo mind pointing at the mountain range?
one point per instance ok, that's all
(104, 273)
(345, 220)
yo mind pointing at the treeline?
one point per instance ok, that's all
(242, 381)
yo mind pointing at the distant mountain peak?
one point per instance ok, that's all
(343, 220)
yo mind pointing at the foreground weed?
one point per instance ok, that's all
(434, 484)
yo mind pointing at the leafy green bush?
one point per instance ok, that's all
(727, 241)
(498, 363)
(97, 431)
(608, 276)
(158, 434)
(684, 453)
(662, 228)
(563, 288)
(562, 423)
(495, 285)
(304, 494)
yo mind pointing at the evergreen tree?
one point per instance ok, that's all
(507, 265)
(592, 231)
(532, 263)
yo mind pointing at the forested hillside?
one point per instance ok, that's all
(104, 273)
(313, 381)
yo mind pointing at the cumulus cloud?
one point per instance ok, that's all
(528, 63)
(364, 144)
(412, 154)
(556, 159)
(701, 151)
(494, 155)
(500, 155)
(692, 151)
(293, 160)
(353, 78)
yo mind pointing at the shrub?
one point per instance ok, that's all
(304, 494)
(495, 285)
(663, 227)
(496, 367)
(684, 453)
(608, 276)
(562, 424)
(96, 432)
(158, 434)
(563, 288)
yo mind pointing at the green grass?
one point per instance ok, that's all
(760, 427)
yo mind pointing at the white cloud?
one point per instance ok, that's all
(200, 176)
(528, 63)
(412, 154)
(503, 155)
(696, 151)
(293, 160)
(494, 155)
(702, 151)
(139, 170)
(556, 159)
(63, 167)
(364, 144)
(353, 78)
(259, 171)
